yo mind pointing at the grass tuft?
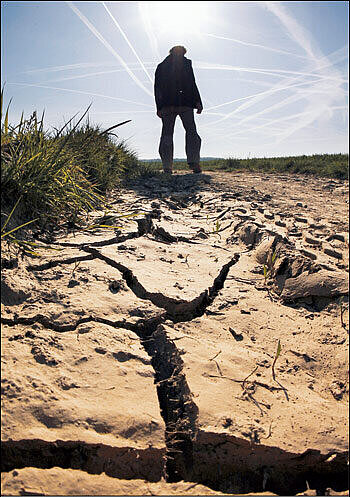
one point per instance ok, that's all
(54, 179)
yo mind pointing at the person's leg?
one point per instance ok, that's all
(193, 140)
(166, 145)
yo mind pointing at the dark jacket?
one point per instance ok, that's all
(175, 84)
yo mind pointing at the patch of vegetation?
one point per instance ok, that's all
(322, 165)
(53, 179)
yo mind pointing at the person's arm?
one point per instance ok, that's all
(157, 90)
(197, 97)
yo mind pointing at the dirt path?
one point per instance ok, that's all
(146, 357)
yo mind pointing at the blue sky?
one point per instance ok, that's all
(273, 76)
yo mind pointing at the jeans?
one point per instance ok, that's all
(193, 140)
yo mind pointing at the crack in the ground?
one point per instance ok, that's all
(101, 243)
(119, 462)
(177, 408)
(220, 461)
(63, 328)
(177, 309)
(58, 262)
(175, 400)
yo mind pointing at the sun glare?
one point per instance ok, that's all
(178, 17)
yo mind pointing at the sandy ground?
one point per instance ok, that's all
(143, 359)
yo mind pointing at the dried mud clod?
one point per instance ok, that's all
(292, 275)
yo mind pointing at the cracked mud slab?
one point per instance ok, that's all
(69, 292)
(58, 481)
(147, 352)
(94, 385)
(181, 273)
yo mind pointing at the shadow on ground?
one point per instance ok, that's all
(161, 184)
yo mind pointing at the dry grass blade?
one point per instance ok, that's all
(115, 126)
(278, 352)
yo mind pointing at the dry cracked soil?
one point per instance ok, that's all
(199, 347)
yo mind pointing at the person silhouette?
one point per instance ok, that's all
(176, 93)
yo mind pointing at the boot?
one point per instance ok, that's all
(195, 167)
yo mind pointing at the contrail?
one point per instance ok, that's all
(82, 76)
(127, 41)
(125, 112)
(135, 67)
(80, 65)
(318, 104)
(256, 45)
(302, 123)
(301, 36)
(278, 87)
(316, 89)
(286, 118)
(286, 101)
(108, 46)
(262, 93)
(82, 93)
(295, 31)
(289, 100)
(143, 8)
(200, 65)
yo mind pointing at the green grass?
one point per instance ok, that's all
(322, 165)
(50, 180)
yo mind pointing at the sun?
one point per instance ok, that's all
(178, 17)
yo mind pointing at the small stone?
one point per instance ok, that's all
(329, 250)
(115, 285)
(30, 334)
(338, 236)
(269, 215)
(316, 225)
(122, 247)
(299, 204)
(236, 336)
(337, 389)
(100, 350)
(82, 359)
(280, 223)
(309, 254)
(202, 234)
(228, 422)
(300, 219)
(310, 240)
